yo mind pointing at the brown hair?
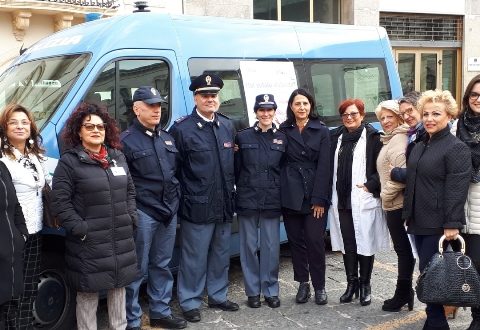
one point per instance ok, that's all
(34, 148)
(348, 102)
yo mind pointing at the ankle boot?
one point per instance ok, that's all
(475, 325)
(351, 270)
(366, 267)
(303, 293)
(404, 294)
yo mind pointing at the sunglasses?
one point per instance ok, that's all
(90, 127)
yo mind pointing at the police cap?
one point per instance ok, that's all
(265, 101)
(207, 83)
(147, 94)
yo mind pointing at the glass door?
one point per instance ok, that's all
(419, 69)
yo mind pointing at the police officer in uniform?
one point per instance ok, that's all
(205, 141)
(261, 149)
(151, 157)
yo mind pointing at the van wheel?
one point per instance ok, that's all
(55, 305)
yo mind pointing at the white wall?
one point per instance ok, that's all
(448, 7)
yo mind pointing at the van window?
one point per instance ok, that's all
(232, 96)
(41, 85)
(119, 80)
(334, 81)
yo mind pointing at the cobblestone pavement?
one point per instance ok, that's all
(311, 316)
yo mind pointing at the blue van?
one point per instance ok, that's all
(107, 59)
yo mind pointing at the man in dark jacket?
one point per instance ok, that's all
(151, 155)
(205, 141)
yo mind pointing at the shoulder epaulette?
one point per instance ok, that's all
(244, 129)
(222, 115)
(179, 120)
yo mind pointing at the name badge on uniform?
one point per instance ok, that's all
(277, 141)
(118, 171)
(227, 144)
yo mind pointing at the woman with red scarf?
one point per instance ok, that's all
(94, 198)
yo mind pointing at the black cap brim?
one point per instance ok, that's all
(154, 100)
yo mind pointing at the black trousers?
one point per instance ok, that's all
(472, 241)
(306, 237)
(348, 231)
(401, 244)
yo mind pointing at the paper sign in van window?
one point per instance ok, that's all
(277, 78)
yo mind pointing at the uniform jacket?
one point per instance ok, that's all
(438, 177)
(392, 154)
(306, 171)
(399, 174)
(472, 205)
(151, 158)
(92, 202)
(12, 226)
(206, 168)
(257, 168)
(371, 232)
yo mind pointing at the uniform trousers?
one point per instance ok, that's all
(87, 303)
(19, 311)
(154, 243)
(260, 272)
(306, 238)
(427, 246)
(204, 262)
(401, 244)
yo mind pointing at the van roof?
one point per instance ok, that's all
(201, 36)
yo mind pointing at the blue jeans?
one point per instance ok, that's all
(427, 246)
(154, 244)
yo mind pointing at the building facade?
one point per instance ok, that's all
(433, 40)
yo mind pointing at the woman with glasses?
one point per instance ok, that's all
(467, 129)
(304, 185)
(395, 139)
(23, 156)
(357, 224)
(438, 174)
(94, 199)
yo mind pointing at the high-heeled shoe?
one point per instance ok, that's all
(404, 295)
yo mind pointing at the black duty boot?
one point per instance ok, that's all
(351, 269)
(366, 267)
(303, 293)
(475, 325)
(404, 294)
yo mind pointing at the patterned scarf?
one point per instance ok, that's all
(100, 157)
(468, 130)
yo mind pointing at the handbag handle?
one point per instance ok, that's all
(460, 238)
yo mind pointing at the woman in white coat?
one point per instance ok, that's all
(357, 223)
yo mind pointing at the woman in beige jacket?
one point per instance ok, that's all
(392, 154)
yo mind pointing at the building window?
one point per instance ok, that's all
(323, 11)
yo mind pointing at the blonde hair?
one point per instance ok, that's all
(439, 96)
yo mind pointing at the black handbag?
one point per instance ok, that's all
(450, 278)
(49, 220)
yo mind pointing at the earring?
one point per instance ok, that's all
(5, 143)
(30, 141)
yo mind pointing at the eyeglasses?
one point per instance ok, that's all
(473, 96)
(353, 115)
(19, 123)
(407, 111)
(90, 127)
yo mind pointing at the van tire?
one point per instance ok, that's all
(55, 305)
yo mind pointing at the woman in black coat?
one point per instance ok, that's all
(94, 198)
(304, 186)
(13, 234)
(438, 175)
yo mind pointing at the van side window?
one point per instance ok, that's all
(335, 81)
(232, 96)
(116, 84)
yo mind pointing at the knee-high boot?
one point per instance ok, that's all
(366, 267)
(351, 270)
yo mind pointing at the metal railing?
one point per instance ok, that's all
(112, 4)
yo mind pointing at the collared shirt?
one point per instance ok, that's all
(205, 118)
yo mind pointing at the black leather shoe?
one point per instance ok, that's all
(192, 315)
(273, 302)
(169, 322)
(321, 297)
(254, 302)
(227, 306)
(303, 293)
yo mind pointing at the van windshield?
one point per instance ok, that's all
(41, 85)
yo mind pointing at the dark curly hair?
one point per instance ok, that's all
(36, 148)
(291, 115)
(74, 123)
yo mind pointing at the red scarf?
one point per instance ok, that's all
(100, 157)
